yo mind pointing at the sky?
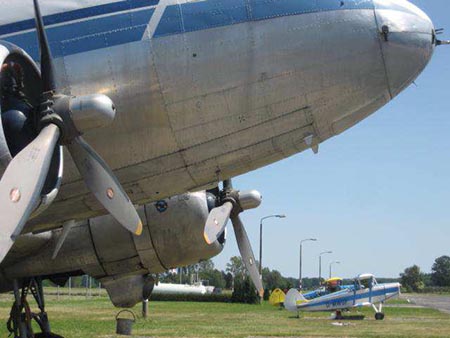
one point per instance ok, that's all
(378, 195)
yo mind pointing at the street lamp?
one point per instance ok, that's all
(335, 262)
(320, 264)
(300, 264)
(260, 239)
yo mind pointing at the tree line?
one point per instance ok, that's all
(414, 280)
(226, 279)
(235, 272)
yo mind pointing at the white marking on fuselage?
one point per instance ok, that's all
(156, 17)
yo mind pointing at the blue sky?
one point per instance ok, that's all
(378, 195)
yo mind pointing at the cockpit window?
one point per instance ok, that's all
(366, 283)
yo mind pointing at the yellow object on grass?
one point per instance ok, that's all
(277, 297)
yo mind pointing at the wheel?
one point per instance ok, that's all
(379, 316)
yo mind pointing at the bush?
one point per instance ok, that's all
(244, 292)
(266, 294)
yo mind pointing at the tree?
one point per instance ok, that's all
(228, 278)
(168, 277)
(206, 265)
(206, 272)
(412, 279)
(440, 274)
(273, 279)
(214, 278)
(236, 267)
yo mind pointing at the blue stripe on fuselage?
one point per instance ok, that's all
(96, 33)
(78, 14)
(83, 36)
(194, 16)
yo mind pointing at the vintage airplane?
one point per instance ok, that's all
(365, 291)
(176, 96)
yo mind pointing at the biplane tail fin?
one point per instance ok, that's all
(293, 300)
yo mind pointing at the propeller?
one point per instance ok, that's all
(232, 203)
(61, 121)
(438, 42)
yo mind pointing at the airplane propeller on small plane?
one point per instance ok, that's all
(60, 123)
(232, 203)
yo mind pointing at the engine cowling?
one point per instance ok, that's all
(19, 93)
(172, 237)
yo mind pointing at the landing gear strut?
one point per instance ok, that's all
(379, 315)
(20, 318)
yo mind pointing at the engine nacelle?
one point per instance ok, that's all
(172, 237)
(20, 88)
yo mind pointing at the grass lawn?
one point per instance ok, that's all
(79, 317)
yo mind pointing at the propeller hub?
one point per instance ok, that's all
(75, 115)
(92, 111)
(250, 199)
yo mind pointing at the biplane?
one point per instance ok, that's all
(334, 296)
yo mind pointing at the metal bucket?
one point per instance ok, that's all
(125, 325)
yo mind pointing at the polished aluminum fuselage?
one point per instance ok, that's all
(198, 106)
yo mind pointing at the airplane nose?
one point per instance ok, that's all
(408, 40)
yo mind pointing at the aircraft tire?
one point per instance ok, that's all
(379, 316)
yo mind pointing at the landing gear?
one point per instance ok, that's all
(20, 318)
(379, 315)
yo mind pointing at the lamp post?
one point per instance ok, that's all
(300, 285)
(331, 264)
(260, 239)
(320, 264)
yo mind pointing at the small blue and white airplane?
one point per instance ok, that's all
(365, 291)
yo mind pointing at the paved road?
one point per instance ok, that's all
(438, 302)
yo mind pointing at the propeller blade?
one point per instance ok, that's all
(101, 181)
(216, 222)
(47, 68)
(22, 183)
(247, 253)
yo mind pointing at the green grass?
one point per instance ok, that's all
(80, 317)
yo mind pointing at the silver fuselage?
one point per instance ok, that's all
(201, 104)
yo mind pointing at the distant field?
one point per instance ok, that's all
(79, 317)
